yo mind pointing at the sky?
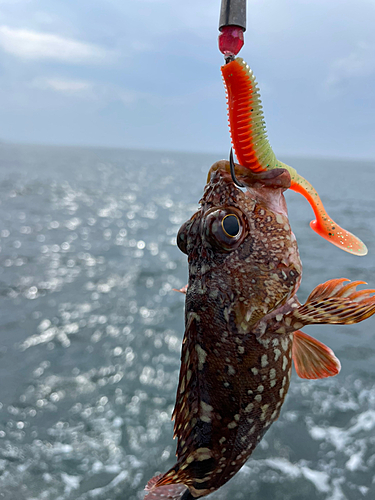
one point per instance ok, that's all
(145, 74)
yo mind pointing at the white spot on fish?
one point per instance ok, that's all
(201, 356)
(264, 361)
(264, 409)
(206, 410)
(231, 370)
(277, 354)
(285, 344)
(265, 342)
(182, 385)
(202, 454)
(249, 407)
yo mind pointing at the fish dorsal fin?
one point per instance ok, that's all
(312, 359)
(336, 302)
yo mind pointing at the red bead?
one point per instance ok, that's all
(231, 40)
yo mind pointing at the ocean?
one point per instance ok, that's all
(91, 330)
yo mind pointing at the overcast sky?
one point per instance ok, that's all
(146, 74)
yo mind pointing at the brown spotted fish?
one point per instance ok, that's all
(243, 322)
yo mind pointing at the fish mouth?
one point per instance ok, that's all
(277, 178)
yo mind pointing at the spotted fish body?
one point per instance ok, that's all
(242, 322)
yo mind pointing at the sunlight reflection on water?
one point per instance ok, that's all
(91, 332)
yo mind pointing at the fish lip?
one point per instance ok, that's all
(278, 178)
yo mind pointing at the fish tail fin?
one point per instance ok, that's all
(162, 487)
(312, 359)
(336, 302)
(323, 224)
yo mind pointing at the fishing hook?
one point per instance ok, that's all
(232, 171)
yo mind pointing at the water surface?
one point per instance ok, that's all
(91, 330)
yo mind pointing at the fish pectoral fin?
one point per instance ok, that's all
(164, 487)
(312, 359)
(336, 302)
(181, 290)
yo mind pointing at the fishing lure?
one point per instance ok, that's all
(253, 150)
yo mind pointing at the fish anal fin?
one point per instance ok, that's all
(336, 302)
(312, 359)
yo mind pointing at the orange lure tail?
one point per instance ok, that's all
(253, 150)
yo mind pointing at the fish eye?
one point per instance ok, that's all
(181, 241)
(224, 228)
(182, 238)
(231, 225)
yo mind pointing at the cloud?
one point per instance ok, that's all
(34, 45)
(64, 86)
(102, 94)
(360, 63)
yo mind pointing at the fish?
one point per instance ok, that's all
(243, 324)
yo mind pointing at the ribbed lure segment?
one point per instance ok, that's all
(246, 120)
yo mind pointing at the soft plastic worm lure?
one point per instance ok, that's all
(253, 150)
